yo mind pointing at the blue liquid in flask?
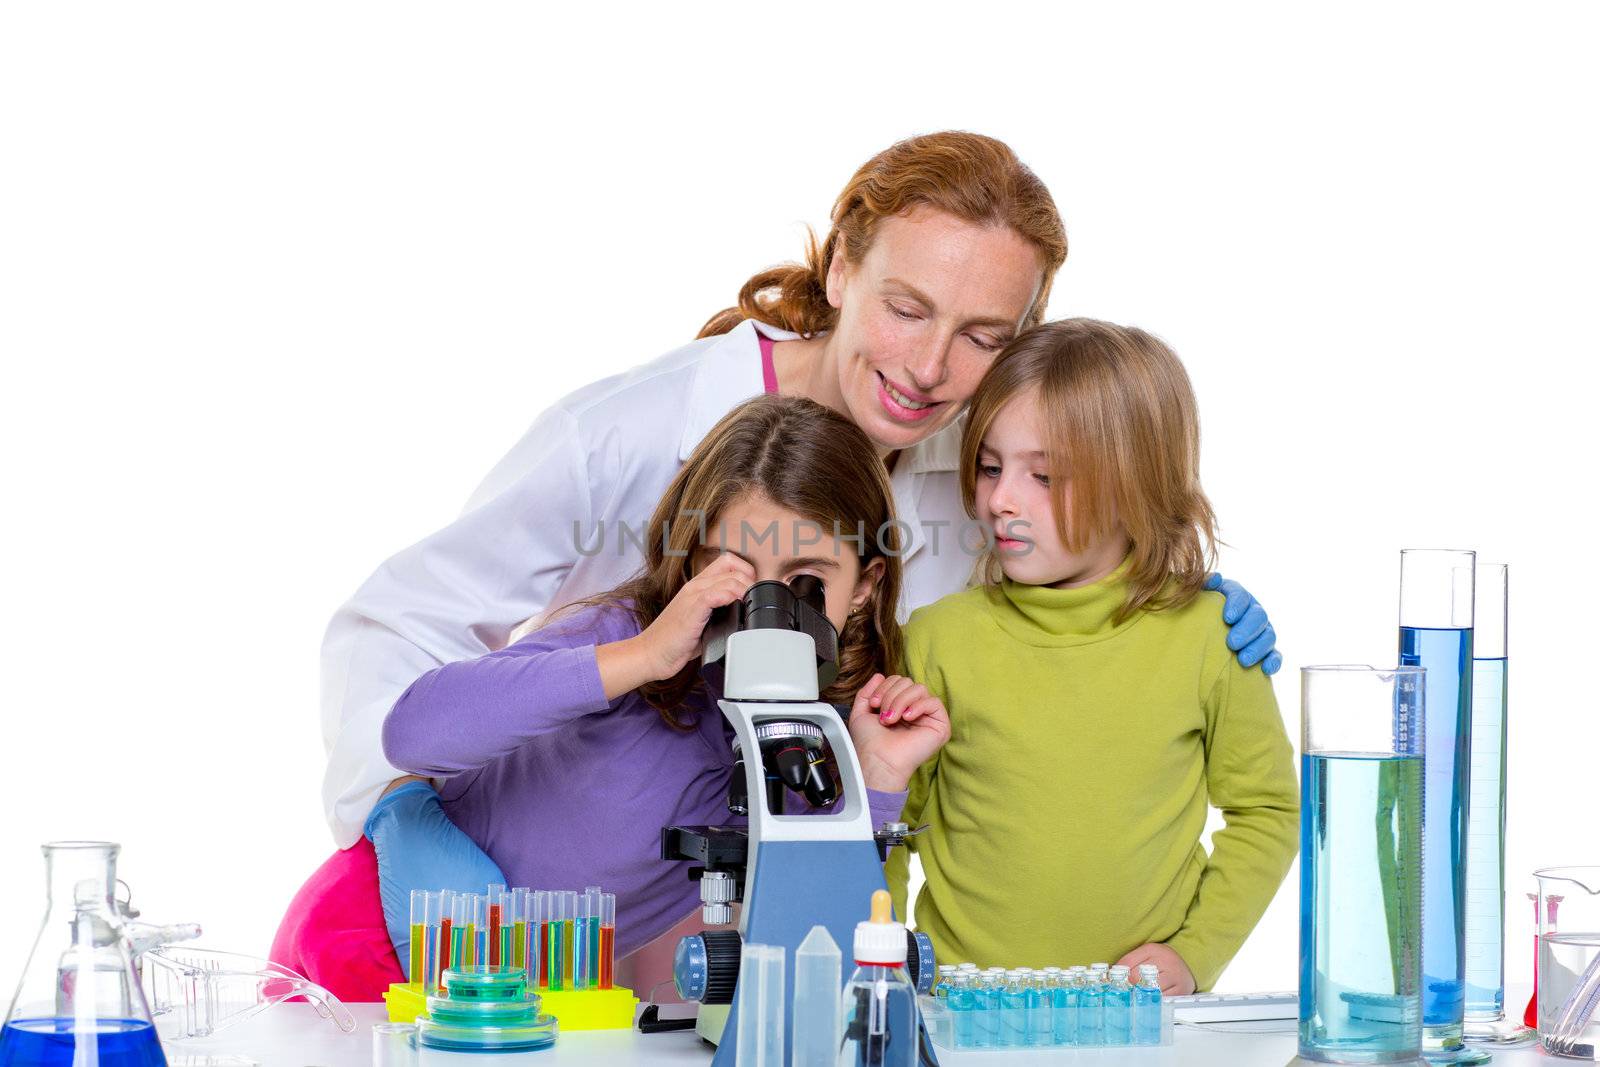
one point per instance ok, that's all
(1360, 901)
(1486, 860)
(1446, 731)
(54, 1042)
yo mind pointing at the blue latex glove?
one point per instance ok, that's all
(420, 848)
(1250, 635)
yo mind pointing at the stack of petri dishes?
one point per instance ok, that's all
(485, 1010)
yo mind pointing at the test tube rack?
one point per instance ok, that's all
(560, 942)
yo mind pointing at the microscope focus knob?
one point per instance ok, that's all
(705, 966)
(920, 961)
(717, 893)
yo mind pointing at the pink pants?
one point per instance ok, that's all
(333, 932)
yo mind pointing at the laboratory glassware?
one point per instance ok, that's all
(1569, 961)
(817, 972)
(1361, 875)
(194, 992)
(1486, 1022)
(79, 999)
(761, 1023)
(1436, 605)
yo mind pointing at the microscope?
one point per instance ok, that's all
(790, 871)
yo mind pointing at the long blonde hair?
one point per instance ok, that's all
(975, 178)
(1122, 429)
(804, 458)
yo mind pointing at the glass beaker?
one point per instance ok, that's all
(1361, 800)
(1569, 961)
(1436, 594)
(80, 1000)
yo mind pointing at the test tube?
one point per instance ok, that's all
(594, 894)
(418, 956)
(494, 902)
(568, 936)
(458, 934)
(519, 929)
(475, 928)
(608, 938)
(435, 919)
(582, 959)
(542, 911)
(556, 957)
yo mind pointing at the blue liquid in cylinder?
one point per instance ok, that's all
(54, 1043)
(1446, 733)
(1486, 860)
(1360, 900)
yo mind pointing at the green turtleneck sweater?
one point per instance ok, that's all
(1065, 812)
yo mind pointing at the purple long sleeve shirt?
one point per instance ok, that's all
(563, 788)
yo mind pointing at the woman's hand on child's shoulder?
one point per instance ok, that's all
(675, 637)
(1176, 978)
(897, 726)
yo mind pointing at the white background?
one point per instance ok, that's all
(280, 282)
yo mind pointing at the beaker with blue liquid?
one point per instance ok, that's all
(1361, 877)
(80, 1000)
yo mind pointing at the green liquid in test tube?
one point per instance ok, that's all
(558, 948)
(593, 895)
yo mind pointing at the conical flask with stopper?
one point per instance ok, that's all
(80, 1003)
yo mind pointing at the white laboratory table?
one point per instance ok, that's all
(292, 1035)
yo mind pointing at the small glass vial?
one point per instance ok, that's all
(1118, 1007)
(1147, 1006)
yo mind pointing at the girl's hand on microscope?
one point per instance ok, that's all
(897, 726)
(673, 639)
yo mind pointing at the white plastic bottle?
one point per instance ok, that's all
(880, 1003)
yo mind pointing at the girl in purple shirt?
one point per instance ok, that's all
(564, 754)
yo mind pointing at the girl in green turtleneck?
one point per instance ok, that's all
(1094, 704)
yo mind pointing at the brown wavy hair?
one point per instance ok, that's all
(804, 458)
(973, 177)
(1123, 430)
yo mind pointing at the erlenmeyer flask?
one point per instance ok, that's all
(79, 1003)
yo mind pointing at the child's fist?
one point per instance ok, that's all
(897, 726)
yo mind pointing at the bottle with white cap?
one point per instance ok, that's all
(1147, 1006)
(1091, 1017)
(1118, 1007)
(880, 1003)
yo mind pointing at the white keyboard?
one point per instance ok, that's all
(1234, 1007)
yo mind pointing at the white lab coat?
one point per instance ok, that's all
(604, 453)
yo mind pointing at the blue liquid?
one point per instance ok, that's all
(1118, 1011)
(1091, 1017)
(1014, 1018)
(1039, 1029)
(986, 1029)
(1064, 1025)
(1486, 851)
(963, 1005)
(52, 1043)
(582, 964)
(1446, 732)
(1146, 1016)
(1360, 907)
